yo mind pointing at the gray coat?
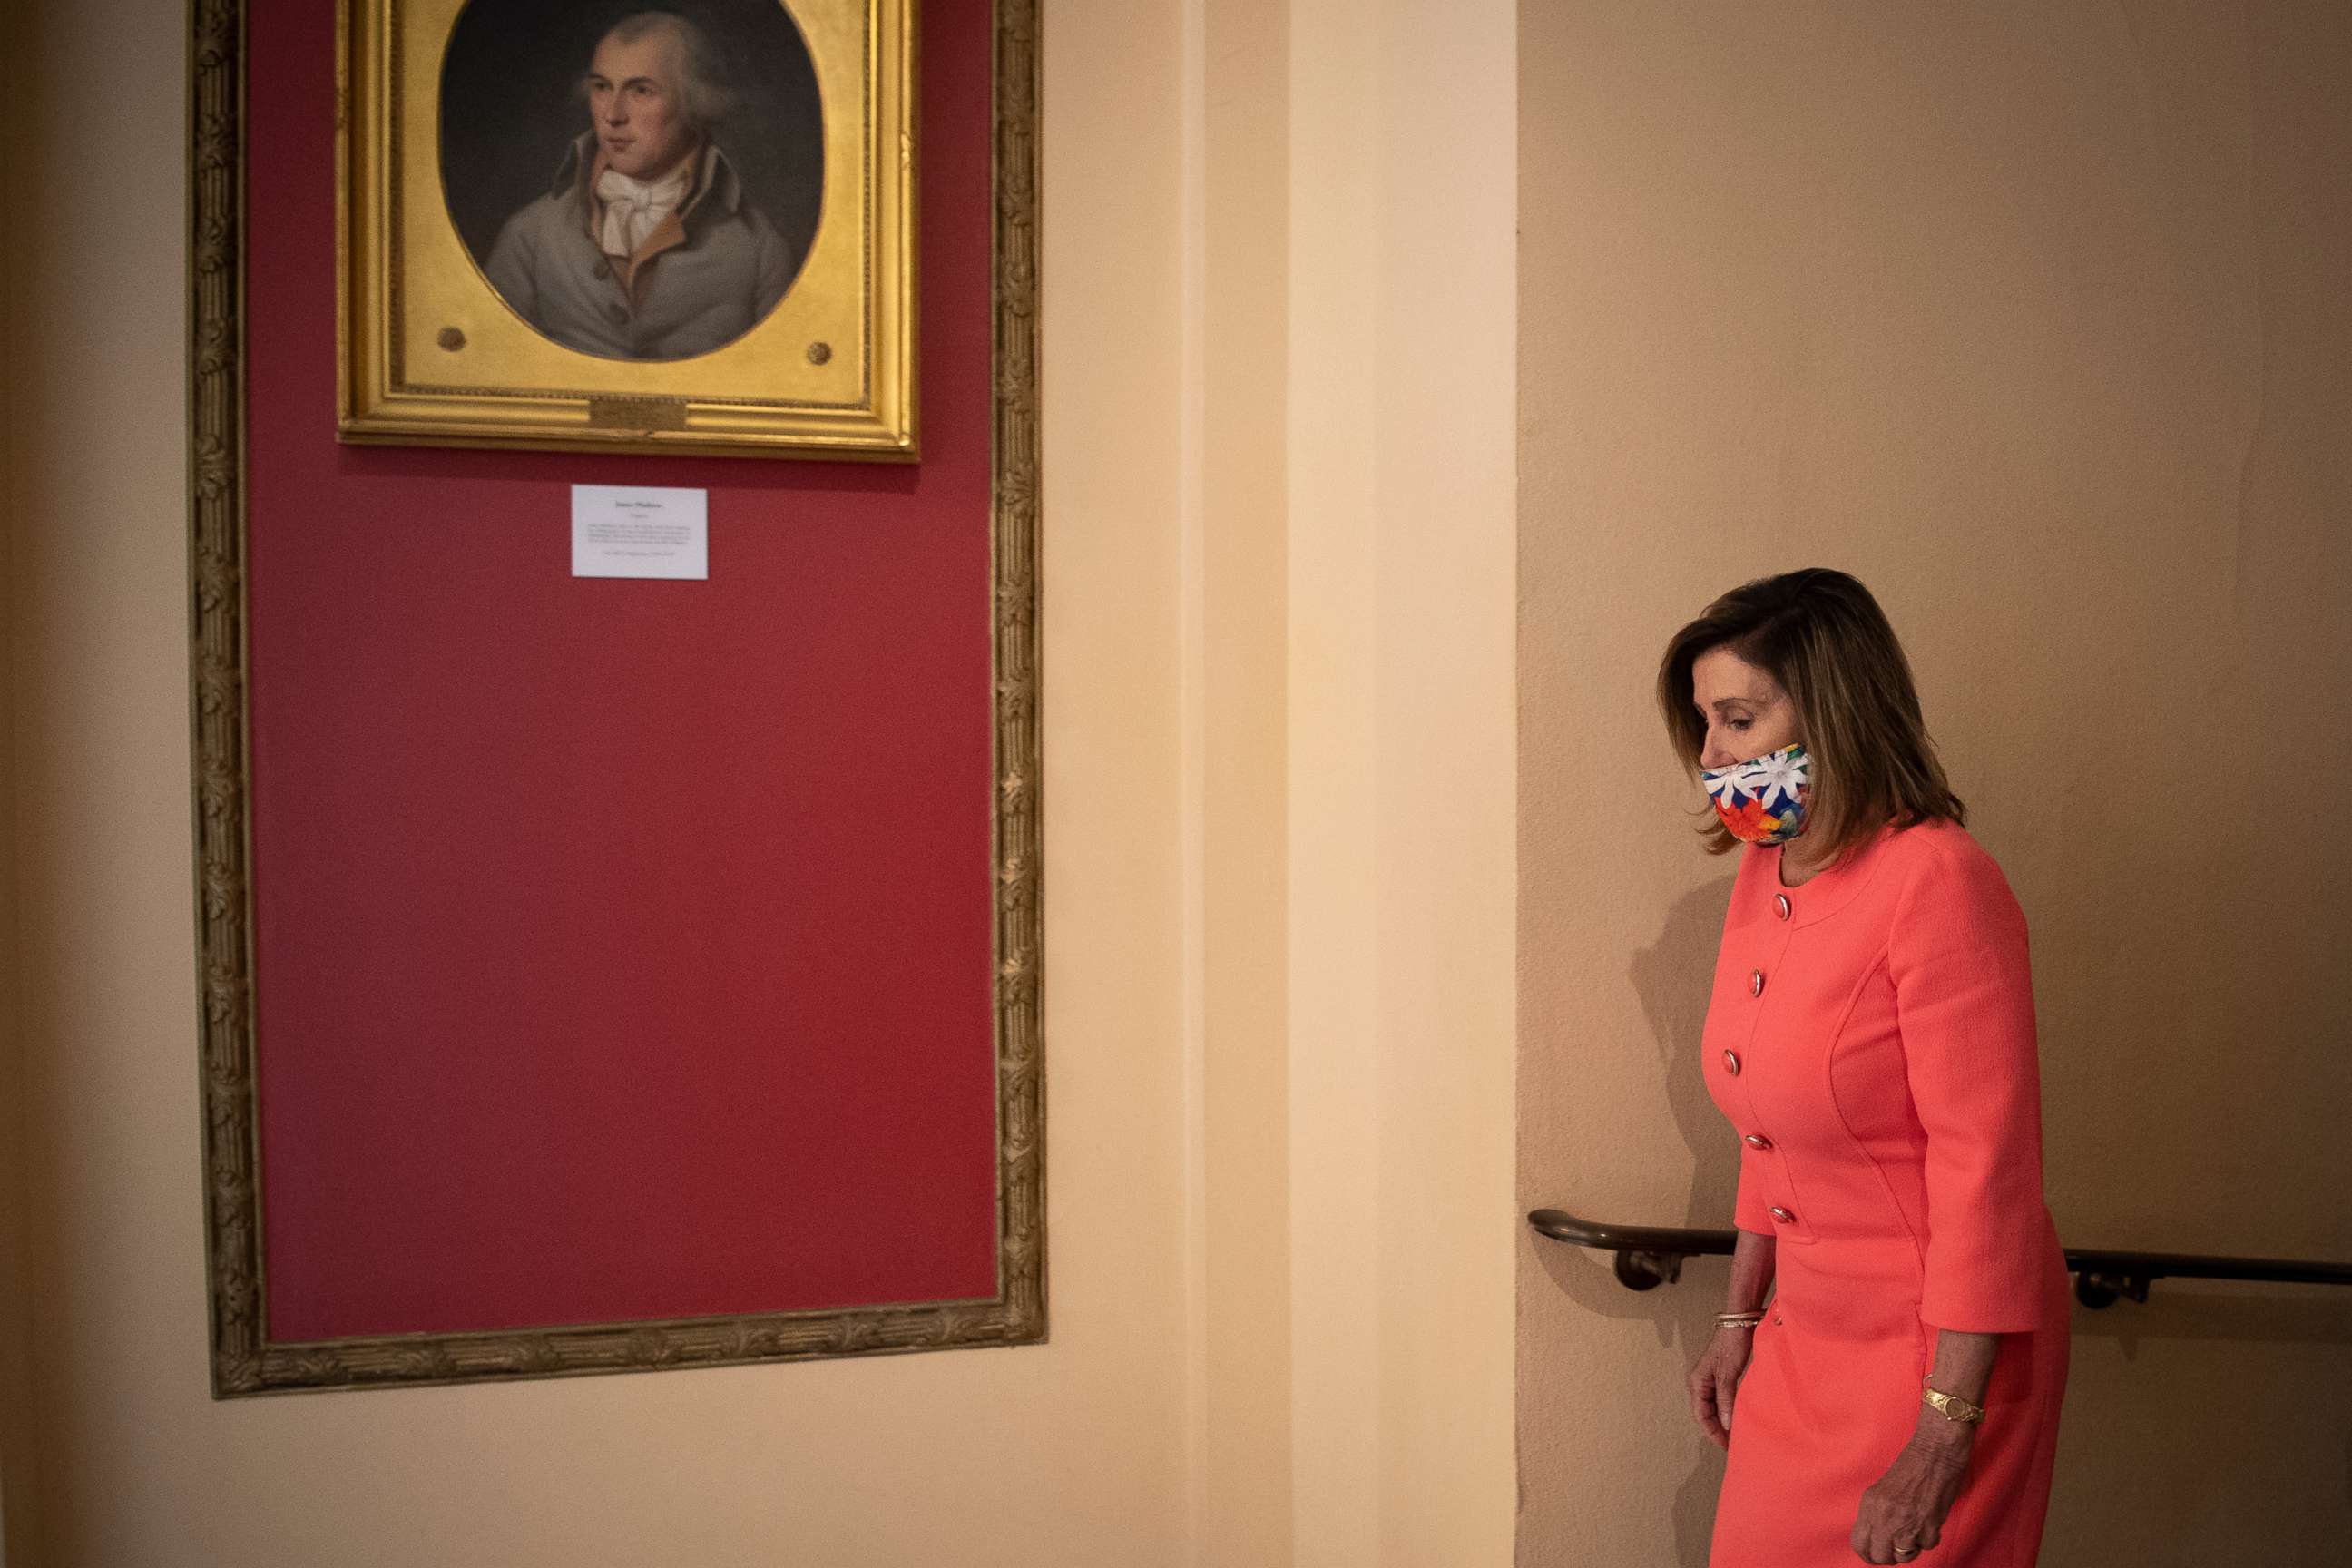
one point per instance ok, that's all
(708, 274)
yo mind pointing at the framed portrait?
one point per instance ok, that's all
(635, 225)
(599, 975)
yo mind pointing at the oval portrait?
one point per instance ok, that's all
(636, 181)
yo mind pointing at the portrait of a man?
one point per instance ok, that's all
(632, 225)
(647, 235)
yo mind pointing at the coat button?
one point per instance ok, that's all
(1781, 902)
(1731, 1063)
(619, 314)
(1756, 983)
(1783, 1215)
(1757, 1141)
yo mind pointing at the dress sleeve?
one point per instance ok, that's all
(1964, 1004)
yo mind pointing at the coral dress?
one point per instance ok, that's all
(1871, 1039)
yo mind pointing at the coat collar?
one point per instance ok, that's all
(715, 189)
(715, 179)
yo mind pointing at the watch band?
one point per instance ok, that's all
(1952, 1407)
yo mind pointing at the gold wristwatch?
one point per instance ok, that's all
(1952, 1407)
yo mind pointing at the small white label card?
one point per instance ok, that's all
(629, 531)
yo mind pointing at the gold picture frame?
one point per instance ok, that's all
(435, 151)
(244, 1360)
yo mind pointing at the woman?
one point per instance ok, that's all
(1871, 1040)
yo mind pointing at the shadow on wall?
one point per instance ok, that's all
(2309, 1315)
(2241, 1375)
(1672, 978)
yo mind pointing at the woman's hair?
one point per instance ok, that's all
(1821, 636)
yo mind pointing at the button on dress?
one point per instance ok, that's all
(1871, 1039)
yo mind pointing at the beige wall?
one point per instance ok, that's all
(1279, 664)
(2033, 316)
(1349, 662)
(1402, 788)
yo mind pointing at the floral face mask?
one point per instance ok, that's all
(1761, 801)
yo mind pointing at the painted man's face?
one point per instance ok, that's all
(632, 97)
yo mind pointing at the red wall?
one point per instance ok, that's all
(622, 947)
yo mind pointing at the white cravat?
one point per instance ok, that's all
(634, 208)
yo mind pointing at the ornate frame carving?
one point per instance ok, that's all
(243, 1360)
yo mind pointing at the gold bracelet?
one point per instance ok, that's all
(1952, 1407)
(1738, 1320)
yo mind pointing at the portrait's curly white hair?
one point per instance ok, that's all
(704, 97)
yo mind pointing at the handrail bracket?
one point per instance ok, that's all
(2098, 1289)
(1638, 1269)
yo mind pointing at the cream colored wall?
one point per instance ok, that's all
(1237, 716)
(2033, 316)
(1278, 666)
(1351, 679)
(1402, 793)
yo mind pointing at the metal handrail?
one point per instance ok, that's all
(1651, 1256)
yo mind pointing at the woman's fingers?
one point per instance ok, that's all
(1715, 1384)
(1874, 1535)
(1885, 1535)
(1702, 1390)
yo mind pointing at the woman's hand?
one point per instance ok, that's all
(1715, 1381)
(1903, 1512)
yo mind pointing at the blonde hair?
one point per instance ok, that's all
(1823, 638)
